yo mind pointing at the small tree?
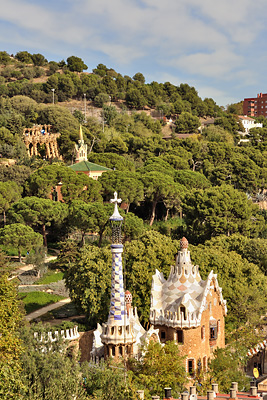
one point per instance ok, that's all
(11, 386)
(76, 64)
(20, 236)
(9, 193)
(161, 366)
(48, 372)
(187, 123)
(24, 56)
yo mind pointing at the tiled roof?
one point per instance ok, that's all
(184, 287)
(88, 166)
(244, 117)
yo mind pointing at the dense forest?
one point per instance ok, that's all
(206, 186)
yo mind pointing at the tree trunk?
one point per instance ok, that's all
(19, 255)
(153, 213)
(100, 238)
(44, 235)
(4, 217)
(167, 214)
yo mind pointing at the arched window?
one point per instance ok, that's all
(183, 312)
(180, 336)
(191, 366)
(213, 330)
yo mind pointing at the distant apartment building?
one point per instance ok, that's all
(255, 106)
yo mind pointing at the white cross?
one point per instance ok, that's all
(116, 213)
(115, 200)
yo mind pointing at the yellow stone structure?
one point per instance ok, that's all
(41, 135)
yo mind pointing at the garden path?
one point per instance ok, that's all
(46, 309)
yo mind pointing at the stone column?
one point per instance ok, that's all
(48, 150)
(35, 151)
(140, 394)
(210, 395)
(192, 390)
(253, 391)
(235, 386)
(215, 388)
(184, 396)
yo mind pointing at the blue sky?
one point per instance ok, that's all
(217, 46)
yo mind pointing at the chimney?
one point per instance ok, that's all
(253, 391)
(192, 390)
(232, 393)
(184, 396)
(168, 393)
(235, 386)
(210, 395)
(215, 388)
(140, 394)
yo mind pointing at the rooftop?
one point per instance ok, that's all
(88, 166)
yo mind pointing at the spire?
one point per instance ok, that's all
(116, 221)
(117, 301)
(183, 259)
(81, 134)
(81, 148)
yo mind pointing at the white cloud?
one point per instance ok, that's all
(211, 39)
(218, 64)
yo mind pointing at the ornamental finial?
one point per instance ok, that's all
(116, 215)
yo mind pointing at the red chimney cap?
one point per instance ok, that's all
(183, 243)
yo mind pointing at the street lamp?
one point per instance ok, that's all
(53, 91)
(84, 95)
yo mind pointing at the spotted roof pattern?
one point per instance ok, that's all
(180, 300)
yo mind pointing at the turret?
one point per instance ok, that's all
(117, 334)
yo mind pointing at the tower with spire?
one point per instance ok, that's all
(117, 334)
(81, 148)
(122, 336)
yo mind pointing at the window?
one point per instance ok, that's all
(213, 332)
(120, 350)
(180, 336)
(191, 367)
(163, 335)
(113, 351)
(183, 312)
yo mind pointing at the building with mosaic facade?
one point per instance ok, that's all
(122, 335)
(188, 310)
(184, 308)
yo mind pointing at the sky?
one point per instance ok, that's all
(217, 46)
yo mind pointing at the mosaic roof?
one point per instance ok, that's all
(180, 300)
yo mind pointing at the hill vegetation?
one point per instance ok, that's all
(205, 186)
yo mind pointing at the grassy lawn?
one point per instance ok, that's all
(50, 277)
(35, 300)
